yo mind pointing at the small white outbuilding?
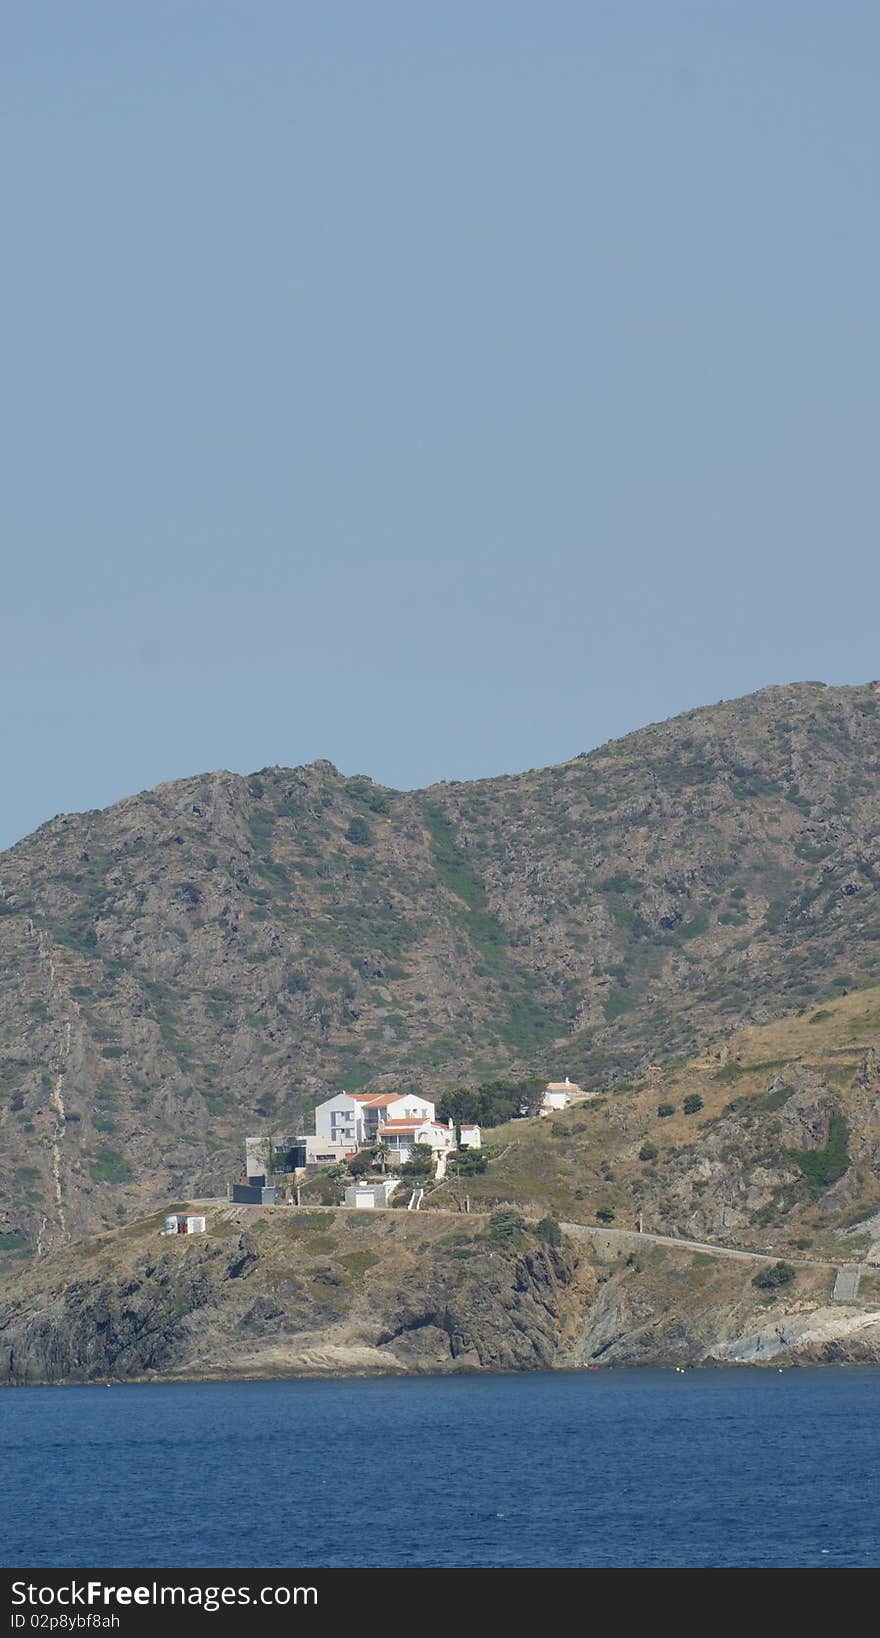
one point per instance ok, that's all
(184, 1222)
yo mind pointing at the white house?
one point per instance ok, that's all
(558, 1095)
(402, 1136)
(354, 1118)
(381, 1107)
(470, 1137)
(340, 1120)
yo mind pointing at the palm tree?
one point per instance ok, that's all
(382, 1152)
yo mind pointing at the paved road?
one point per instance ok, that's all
(585, 1231)
(845, 1286)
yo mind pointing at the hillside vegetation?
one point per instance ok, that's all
(770, 1143)
(211, 957)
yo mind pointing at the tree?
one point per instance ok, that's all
(548, 1230)
(421, 1161)
(382, 1152)
(693, 1103)
(493, 1102)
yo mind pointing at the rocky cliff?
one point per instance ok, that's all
(285, 1292)
(277, 1292)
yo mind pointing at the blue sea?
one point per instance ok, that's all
(624, 1468)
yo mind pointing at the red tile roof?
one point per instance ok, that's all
(377, 1100)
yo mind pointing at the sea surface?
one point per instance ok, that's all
(644, 1468)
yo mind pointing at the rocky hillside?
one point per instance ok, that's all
(277, 1291)
(213, 956)
(769, 1143)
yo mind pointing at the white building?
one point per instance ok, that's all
(470, 1137)
(354, 1119)
(367, 1196)
(184, 1222)
(320, 1151)
(378, 1108)
(558, 1095)
(402, 1136)
(340, 1120)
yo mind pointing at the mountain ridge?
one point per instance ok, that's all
(221, 951)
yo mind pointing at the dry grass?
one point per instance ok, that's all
(586, 1158)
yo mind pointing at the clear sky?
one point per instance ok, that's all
(442, 389)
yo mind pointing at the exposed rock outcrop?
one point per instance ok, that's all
(220, 950)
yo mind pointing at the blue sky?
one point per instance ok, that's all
(439, 389)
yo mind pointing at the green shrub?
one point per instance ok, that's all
(505, 1227)
(492, 1103)
(772, 1279)
(648, 1151)
(549, 1231)
(467, 1163)
(616, 1003)
(622, 882)
(363, 790)
(359, 832)
(697, 925)
(606, 1214)
(822, 1167)
(110, 1166)
(665, 1109)
(452, 868)
(693, 1103)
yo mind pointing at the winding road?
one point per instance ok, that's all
(846, 1284)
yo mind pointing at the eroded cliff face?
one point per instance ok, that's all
(676, 1308)
(292, 1293)
(280, 1292)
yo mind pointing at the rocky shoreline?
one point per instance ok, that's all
(327, 1293)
